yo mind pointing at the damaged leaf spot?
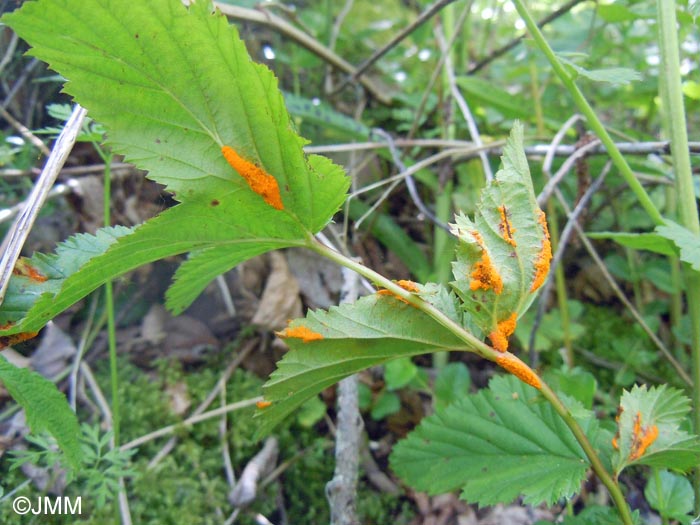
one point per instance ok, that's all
(484, 275)
(300, 332)
(215, 202)
(9, 340)
(504, 329)
(642, 437)
(544, 257)
(506, 227)
(24, 269)
(257, 178)
(519, 369)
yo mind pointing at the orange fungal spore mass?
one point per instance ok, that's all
(484, 275)
(301, 332)
(261, 405)
(506, 227)
(257, 178)
(642, 437)
(504, 329)
(25, 269)
(544, 257)
(519, 369)
(409, 286)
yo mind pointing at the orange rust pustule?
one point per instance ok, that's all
(504, 329)
(409, 286)
(257, 178)
(262, 405)
(484, 275)
(519, 369)
(506, 227)
(9, 340)
(300, 332)
(642, 437)
(24, 269)
(544, 257)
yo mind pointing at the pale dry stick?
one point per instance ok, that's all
(304, 40)
(565, 168)
(26, 132)
(80, 352)
(12, 245)
(621, 295)
(437, 71)
(379, 53)
(57, 191)
(563, 242)
(333, 39)
(115, 167)
(262, 463)
(341, 491)
(494, 148)
(124, 510)
(165, 450)
(225, 452)
(170, 429)
(9, 51)
(463, 106)
(226, 295)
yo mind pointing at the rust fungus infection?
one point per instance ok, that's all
(484, 275)
(257, 178)
(300, 332)
(506, 227)
(409, 286)
(519, 369)
(25, 269)
(261, 405)
(642, 437)
(504, 329)
(9, 340)
(544, 257)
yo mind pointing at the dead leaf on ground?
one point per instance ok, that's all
(280, 299)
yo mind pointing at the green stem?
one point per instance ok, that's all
(671, 91)
(485, 351)
(593, 121)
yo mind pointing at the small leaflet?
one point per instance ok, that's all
(300, 332)
(257, 178)
(519, 369)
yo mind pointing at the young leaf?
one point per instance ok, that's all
(327, 346)
(649, 430)
(670, 494)
(45, 407)
(686, 241)
(170, 109)
(503, 255)
(497, 444)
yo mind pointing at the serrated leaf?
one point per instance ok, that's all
(345, 340)
(170, 111)
(612, 75)
(639, 241)
(649, 430)
(452, 383)
(495, 445)
(503, 254)
(670, 494)
(45, 407)
(686, 241)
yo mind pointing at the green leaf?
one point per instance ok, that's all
(169, 111)
(649, 430)
(613, 75)
(45, 407)
(399, 372)
(387, 403)
(639, 241)
(490, 95)
(576, 382)
(687, 242)
(497, 444)
(369, 332)
(503, 255)
(451, 384)
(311, 412)
(670, 494)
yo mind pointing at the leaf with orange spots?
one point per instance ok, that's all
(327, 346)
(503, 254)
(650, 430)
